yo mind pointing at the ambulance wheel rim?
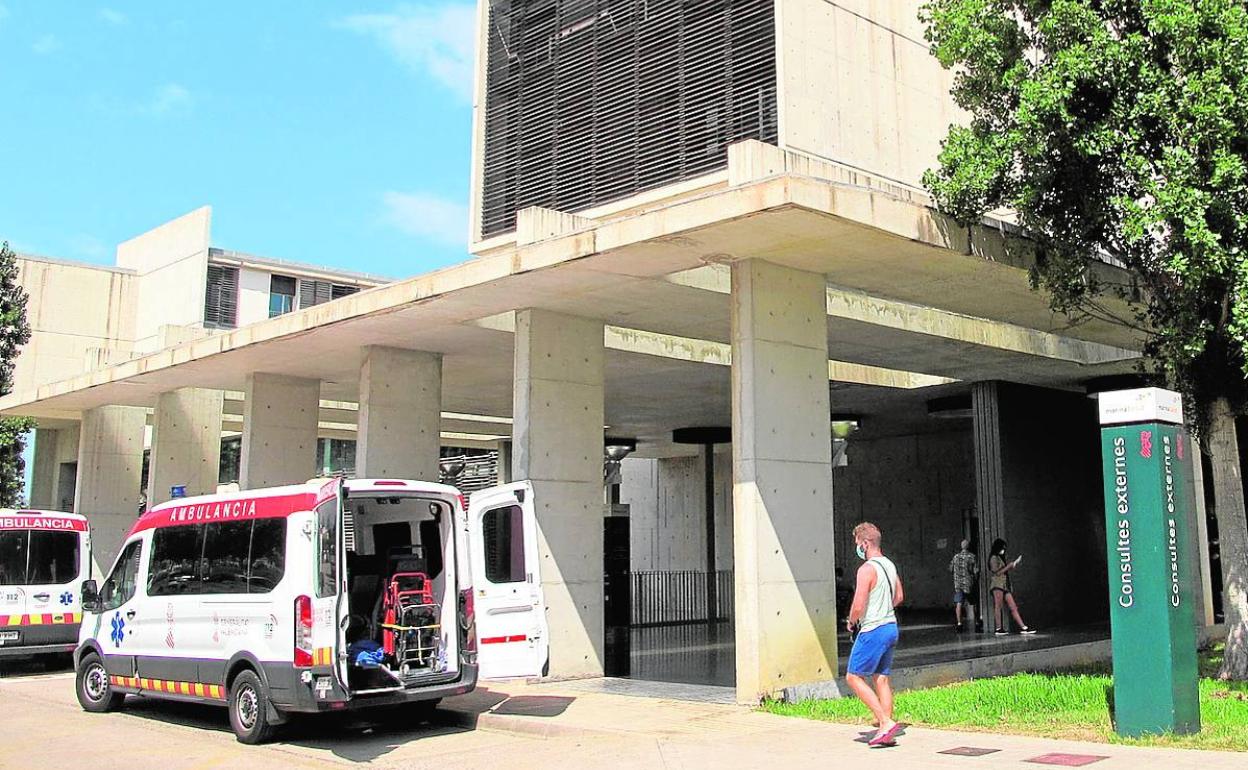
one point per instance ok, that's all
(248, 707)
(96, 682)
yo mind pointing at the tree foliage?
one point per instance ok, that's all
(14, 332)
(1116, 129)
(1118, 132)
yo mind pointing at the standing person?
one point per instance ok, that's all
(964, 569)
(1002, 588)
(877, 592)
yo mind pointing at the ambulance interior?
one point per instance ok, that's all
(402, 593)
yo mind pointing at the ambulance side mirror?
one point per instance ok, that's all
(90, 596)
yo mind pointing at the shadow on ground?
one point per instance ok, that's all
(367, 735)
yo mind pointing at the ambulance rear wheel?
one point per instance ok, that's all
(249, 709)
(95, 693)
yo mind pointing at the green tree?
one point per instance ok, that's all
(1118, 131)
(14, 332)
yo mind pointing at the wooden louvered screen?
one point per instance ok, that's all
(589, 101)
(314, 292)
(221, 298)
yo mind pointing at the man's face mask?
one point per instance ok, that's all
(861, 551)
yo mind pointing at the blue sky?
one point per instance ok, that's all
(325, 132)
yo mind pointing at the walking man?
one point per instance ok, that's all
(877, 592)
(963, 568)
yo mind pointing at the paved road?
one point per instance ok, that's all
(579, 725)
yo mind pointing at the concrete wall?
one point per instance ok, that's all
(172, 263)
(916, 489)
(858, 86)
(253, 295)
(73, 309)
(666, 512)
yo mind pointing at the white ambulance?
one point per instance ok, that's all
(44, 556)
(317, 597)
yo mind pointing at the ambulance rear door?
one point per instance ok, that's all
(512, 633)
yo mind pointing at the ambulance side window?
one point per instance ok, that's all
(53, 557)
(119, 588)
(327, 549)
(13, 557)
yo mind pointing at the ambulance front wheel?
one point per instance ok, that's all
(249, 709)
(95, 693)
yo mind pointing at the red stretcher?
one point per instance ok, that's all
(411, 622)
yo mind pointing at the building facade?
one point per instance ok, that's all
(697, 229)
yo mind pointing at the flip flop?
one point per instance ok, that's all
(887, 739)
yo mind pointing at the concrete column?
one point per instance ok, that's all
(782, 481)
(110, 470)
(557, 439)
(1204, 613)
(279, 430)
(43, 472)
(400, 419)
(186, 443)
(989, 485)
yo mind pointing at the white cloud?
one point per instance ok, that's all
(89, 247)
(437, 40)
(427, 216)
(169, 99)
(46, 45)
(114, 17)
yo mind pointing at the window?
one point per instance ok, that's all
(281, 295)
(502, 530)
(340, 290)
(314, 292)
(267, 562)
(175, 560)
(224, 566)
(119, 588)
(327, 548)
(221, 298)
(230, 557)
(231, 460)
(337, 455)
(13, 546)
(53, 558)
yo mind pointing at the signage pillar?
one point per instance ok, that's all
(1152, 580)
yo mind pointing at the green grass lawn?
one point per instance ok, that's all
(1066, 705)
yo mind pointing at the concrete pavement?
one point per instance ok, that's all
(574, 724)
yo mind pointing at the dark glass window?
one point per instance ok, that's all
(327, 549)
(224, 566)
(231, 457)
(268, 555)
(281, 295)
(13, 548)
(53, 558)
(503, 532)
(176, 554)
(119, 588)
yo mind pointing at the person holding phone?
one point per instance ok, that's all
(1002, 589)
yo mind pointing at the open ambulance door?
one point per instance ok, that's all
(330, 605)
(513, 639)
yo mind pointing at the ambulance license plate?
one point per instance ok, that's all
(10, 636)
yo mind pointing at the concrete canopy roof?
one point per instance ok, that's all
(912, 293)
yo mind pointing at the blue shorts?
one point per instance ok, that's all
(961, 596)
(872, 653)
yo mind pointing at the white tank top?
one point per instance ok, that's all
(880, 601)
